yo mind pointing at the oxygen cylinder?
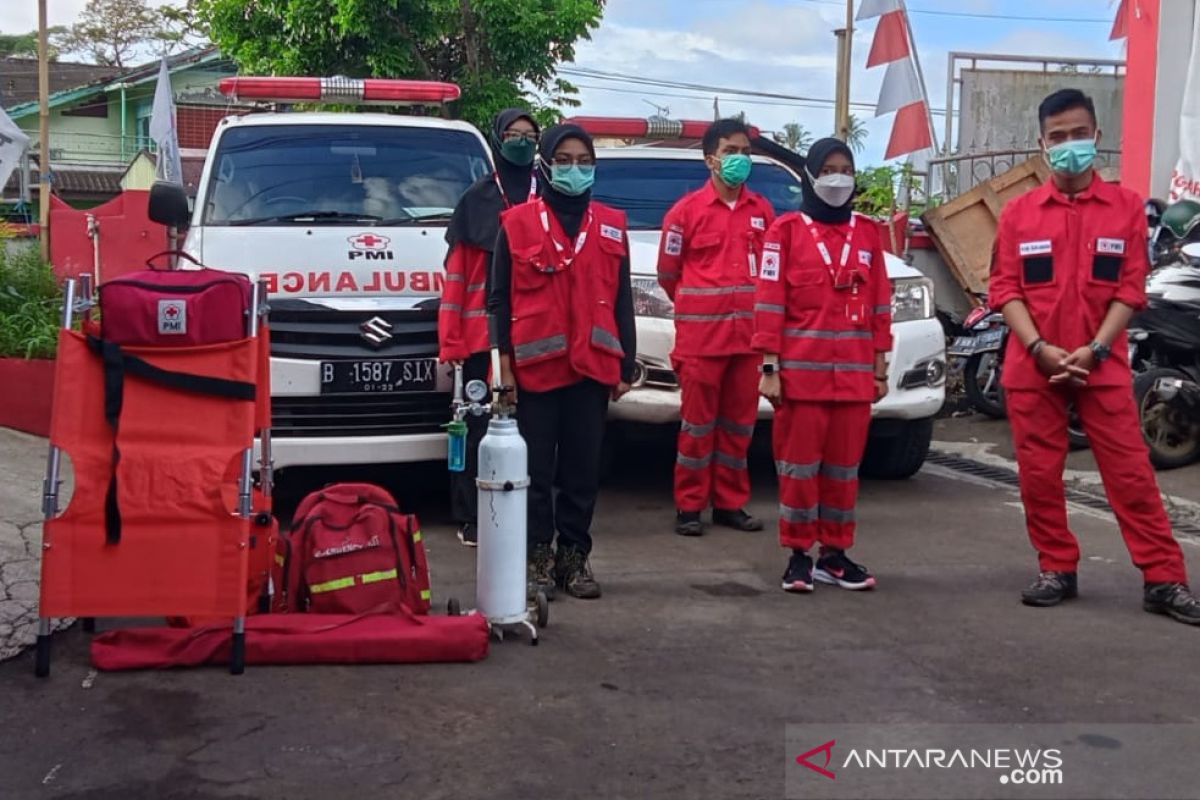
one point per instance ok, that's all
(503, 487)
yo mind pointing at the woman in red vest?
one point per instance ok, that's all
(462, 314)
(823, 319)
(560, 293)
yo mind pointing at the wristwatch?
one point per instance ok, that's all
(768, 369)
(1101, 351)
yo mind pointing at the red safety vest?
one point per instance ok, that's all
(564, 295)
(462, 314)
(707, 264)
(825, 311)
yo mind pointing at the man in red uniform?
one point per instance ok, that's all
(1069, 271)
(708, 263)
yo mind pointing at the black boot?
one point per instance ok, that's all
(1050, 589)
(737, 519)
(575, 575)
(687, 523)
(1173, 599)
(540, 571)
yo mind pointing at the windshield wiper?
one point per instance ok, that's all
(305, 216)
(418, 219)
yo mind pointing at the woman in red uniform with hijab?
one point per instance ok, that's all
(462, 314)
(823, 318)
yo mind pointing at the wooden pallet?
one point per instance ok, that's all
(964, 229)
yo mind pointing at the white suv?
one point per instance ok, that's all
(645, 182)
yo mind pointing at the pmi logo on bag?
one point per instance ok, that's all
(172, 316)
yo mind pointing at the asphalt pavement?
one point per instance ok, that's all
(680, 682)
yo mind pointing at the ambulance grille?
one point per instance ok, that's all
(359, 415)
(304, 330)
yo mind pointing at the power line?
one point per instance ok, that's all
(969, 15)
(790, 99)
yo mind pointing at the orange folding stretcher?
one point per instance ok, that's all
(193, 532)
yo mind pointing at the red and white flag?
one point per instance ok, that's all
(903, 91)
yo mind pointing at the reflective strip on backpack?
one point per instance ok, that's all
(417, 536)
(426, 594)
(331, 586)
(280, 560)
(376, 577)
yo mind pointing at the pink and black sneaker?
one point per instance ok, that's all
(799, 574)
(835, 567)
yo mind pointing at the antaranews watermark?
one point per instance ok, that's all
(931, 762)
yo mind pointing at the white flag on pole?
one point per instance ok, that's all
(877, 8)
(1185, 180)
(163, 131)
(13, 142)
(901, 87)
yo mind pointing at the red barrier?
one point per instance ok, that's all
(127, 236)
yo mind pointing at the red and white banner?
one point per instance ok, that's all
(1185, 180)
(903, 91)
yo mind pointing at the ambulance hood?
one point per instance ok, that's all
(643, 255)
(342, 262)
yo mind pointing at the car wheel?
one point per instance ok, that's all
(898, 456)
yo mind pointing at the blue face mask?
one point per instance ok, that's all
(1072, 158)
(573, 179)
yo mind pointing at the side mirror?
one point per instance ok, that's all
(169, 205)
(1191, 251)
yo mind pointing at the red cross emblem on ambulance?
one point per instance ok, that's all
(368, 241)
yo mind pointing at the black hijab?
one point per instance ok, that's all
(476, 219)
(567, 208)
(812, 205)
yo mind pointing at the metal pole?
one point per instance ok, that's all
(839, 111)
(43, 132)
(844, 122)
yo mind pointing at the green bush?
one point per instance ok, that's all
(30, 304)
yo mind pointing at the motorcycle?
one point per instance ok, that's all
(1166, 382)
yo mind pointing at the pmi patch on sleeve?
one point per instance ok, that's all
(674, 243)
(172, 316)
(609, 232)
(770, 265)
(1040, 248)
(1111, 247)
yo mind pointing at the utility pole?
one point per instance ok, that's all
(43, 132)
(845, 41)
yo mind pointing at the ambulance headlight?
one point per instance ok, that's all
(649, 299)
(912, 299)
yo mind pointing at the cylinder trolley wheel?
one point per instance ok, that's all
(543, 609)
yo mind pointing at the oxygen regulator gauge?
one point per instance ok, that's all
(476, 391)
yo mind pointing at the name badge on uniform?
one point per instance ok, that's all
(674, 243)
(609, 232)
(864, 257)
(1112, 247)
(1041, 248)
(770, 264)
(753, 266)
(758, 223)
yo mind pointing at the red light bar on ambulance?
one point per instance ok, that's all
(365, 91)
(635, 128)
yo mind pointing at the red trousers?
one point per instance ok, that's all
(1110, 419)
(719, 409)
(818, 446)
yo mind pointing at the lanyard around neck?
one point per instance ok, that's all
(561, 249)
(504, 197)
(824, 250)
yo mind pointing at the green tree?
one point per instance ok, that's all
(25, 45)
(114, 32)
(794, 137)
(501, 52)
(857, 138)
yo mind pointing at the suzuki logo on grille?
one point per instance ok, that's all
(377, 331)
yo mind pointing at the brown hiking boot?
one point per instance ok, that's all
(575, 575)
(540, 571)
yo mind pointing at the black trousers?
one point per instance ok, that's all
(564, 431)
(464, 497)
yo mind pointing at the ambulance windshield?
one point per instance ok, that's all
(646, 188)
(340, 175)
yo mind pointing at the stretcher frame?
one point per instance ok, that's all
(78, 300)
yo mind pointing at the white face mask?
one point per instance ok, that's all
(834, 190)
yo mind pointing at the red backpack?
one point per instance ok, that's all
(351, 550)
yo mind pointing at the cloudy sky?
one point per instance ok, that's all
(779, 46)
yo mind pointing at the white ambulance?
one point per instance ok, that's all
(343, 215)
